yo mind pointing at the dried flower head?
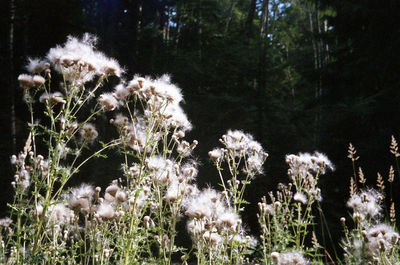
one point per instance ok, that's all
(36, 65)
(300, 165)
(81, 198)
(52, 98)
(108, 102)
(300, 198)
(293, 257)
(105, 211)
(38, 80)
(89, 132)
(26, 81)
(366, 203)
(79, 62)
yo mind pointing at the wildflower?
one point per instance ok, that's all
(212, 237)
(216, 154)
(36, 65)
(229, 220)
(108, 102)
(255, 163)
(148, 222)
(22, 179)
(136, 84)
(166, 90)
(236, 141)
(137, 136)
(105, 211)
(239, 143)
(58, 213)
(366, 203)
(38, 211)
(81, 197)
(315, 194)
(121, 92)
(26, 81)
(141, 200)
(38, 80)
(161, 169)
(293, 257)
(301, 164)
(111, 192)
(5, 222)
(175, 117)
(120, 120)
(207, 204)
(175, 191)
(380, 238)
(189, 170)
(121, 196)
(71, 127)
(79, 62)
(265, 208)
(88, 132)
(14, 160)
(52, 98)
(110, 67)
(300, 197)
(179, 134)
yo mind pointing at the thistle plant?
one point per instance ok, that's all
(144, 205)
(135, 219)
(214, 217)
(40, 178)
(241, 154)
(371, 240)
(287, 216)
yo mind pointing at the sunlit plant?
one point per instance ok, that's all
(135, 219)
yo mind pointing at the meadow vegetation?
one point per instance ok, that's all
(134, 219)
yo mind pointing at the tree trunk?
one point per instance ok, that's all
(317, 69)
(178, 25)
(229, 19)
(12, 77)
(262, 68)
(156, 26)
(326, 50)
(167, 27)
(249, 22)
(264, 18)
(200, 29)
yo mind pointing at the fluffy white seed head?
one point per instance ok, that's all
(293, 257)
(121, 92)
(38, 80)
(26, 81)
(79, 62)
(89, 132)
(52, 98)
(366, 203)
(300, 197)
(108, 102)
(303, 163)
(81, 197)
(105, 211)
(36, 65)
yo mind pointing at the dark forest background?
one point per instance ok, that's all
(300, 75)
